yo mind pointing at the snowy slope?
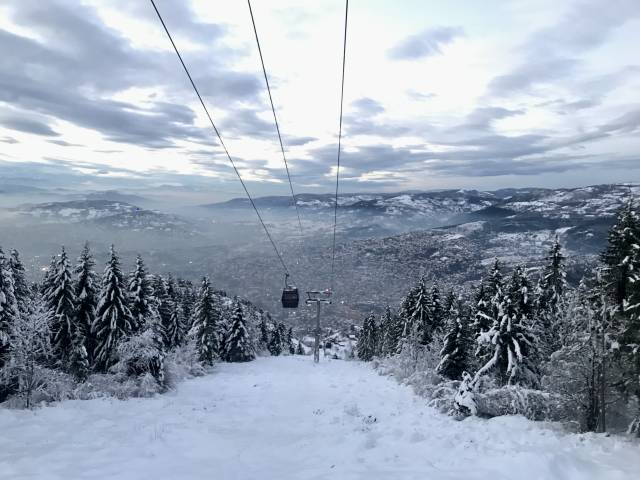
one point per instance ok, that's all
(284, 418)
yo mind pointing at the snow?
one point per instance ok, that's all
(284, 418)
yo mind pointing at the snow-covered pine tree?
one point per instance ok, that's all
(438, 314)
(457, 350)
(290, 346)
(550, 294)
(620, 255)
(21, 286)
(9, 310)
(205, 325)
(621, 275)
(113, 317)
(45, 286)
(66, 336)
(187, 302)
(422, 318)
(391, 325)
(494, 280)
(407, 308)
(263, 339)
(173, 323)
(553, 282)
(368, 340)
(511, 343)
(140, 295)
(486, 311)
(276, 341)
(86, 299)
(238, 347)
(162, 302)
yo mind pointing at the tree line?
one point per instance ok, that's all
(581, 342)
(80, 323)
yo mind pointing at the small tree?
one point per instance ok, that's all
(29, 348)
(238, 345)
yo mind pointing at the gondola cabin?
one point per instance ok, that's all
(290, 297)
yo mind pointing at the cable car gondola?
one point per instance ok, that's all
(290, 296)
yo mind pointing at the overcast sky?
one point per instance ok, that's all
(438, 94)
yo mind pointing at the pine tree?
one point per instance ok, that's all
(140, 293)
(162, 302)
(486, 311)
(9, 311)
(238, 346)
(289, 342)
(205, 325)
(368, 341)
(621, 253)
(422, 314)
(391, 325)
(113, 317)
(621, 275)
(438, 314)
(86, 299)
(187, 302)
(49, 272)
(172, 315)
(66, 336)
(407, 309)
(456, 352)
(276, 342)
(263, 340)
(21, 287)
(554, 278)
(511, 344)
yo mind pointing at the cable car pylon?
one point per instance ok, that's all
(317, 297)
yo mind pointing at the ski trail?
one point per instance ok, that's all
(284, 418)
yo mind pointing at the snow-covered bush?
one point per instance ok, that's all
(142, 354)
(182, 363)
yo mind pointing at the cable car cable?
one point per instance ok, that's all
(206, 111)
(335, 209)
(275, 118)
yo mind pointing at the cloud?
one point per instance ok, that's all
(64, 143)
(425, 44)
(26, 123)
(555, 52)
(74, 75)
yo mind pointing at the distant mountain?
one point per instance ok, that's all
(598, 200)
(106, 213)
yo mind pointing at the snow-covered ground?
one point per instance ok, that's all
(284, 418)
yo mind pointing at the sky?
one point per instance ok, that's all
(438, 94)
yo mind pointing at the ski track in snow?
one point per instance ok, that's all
(284, 418)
